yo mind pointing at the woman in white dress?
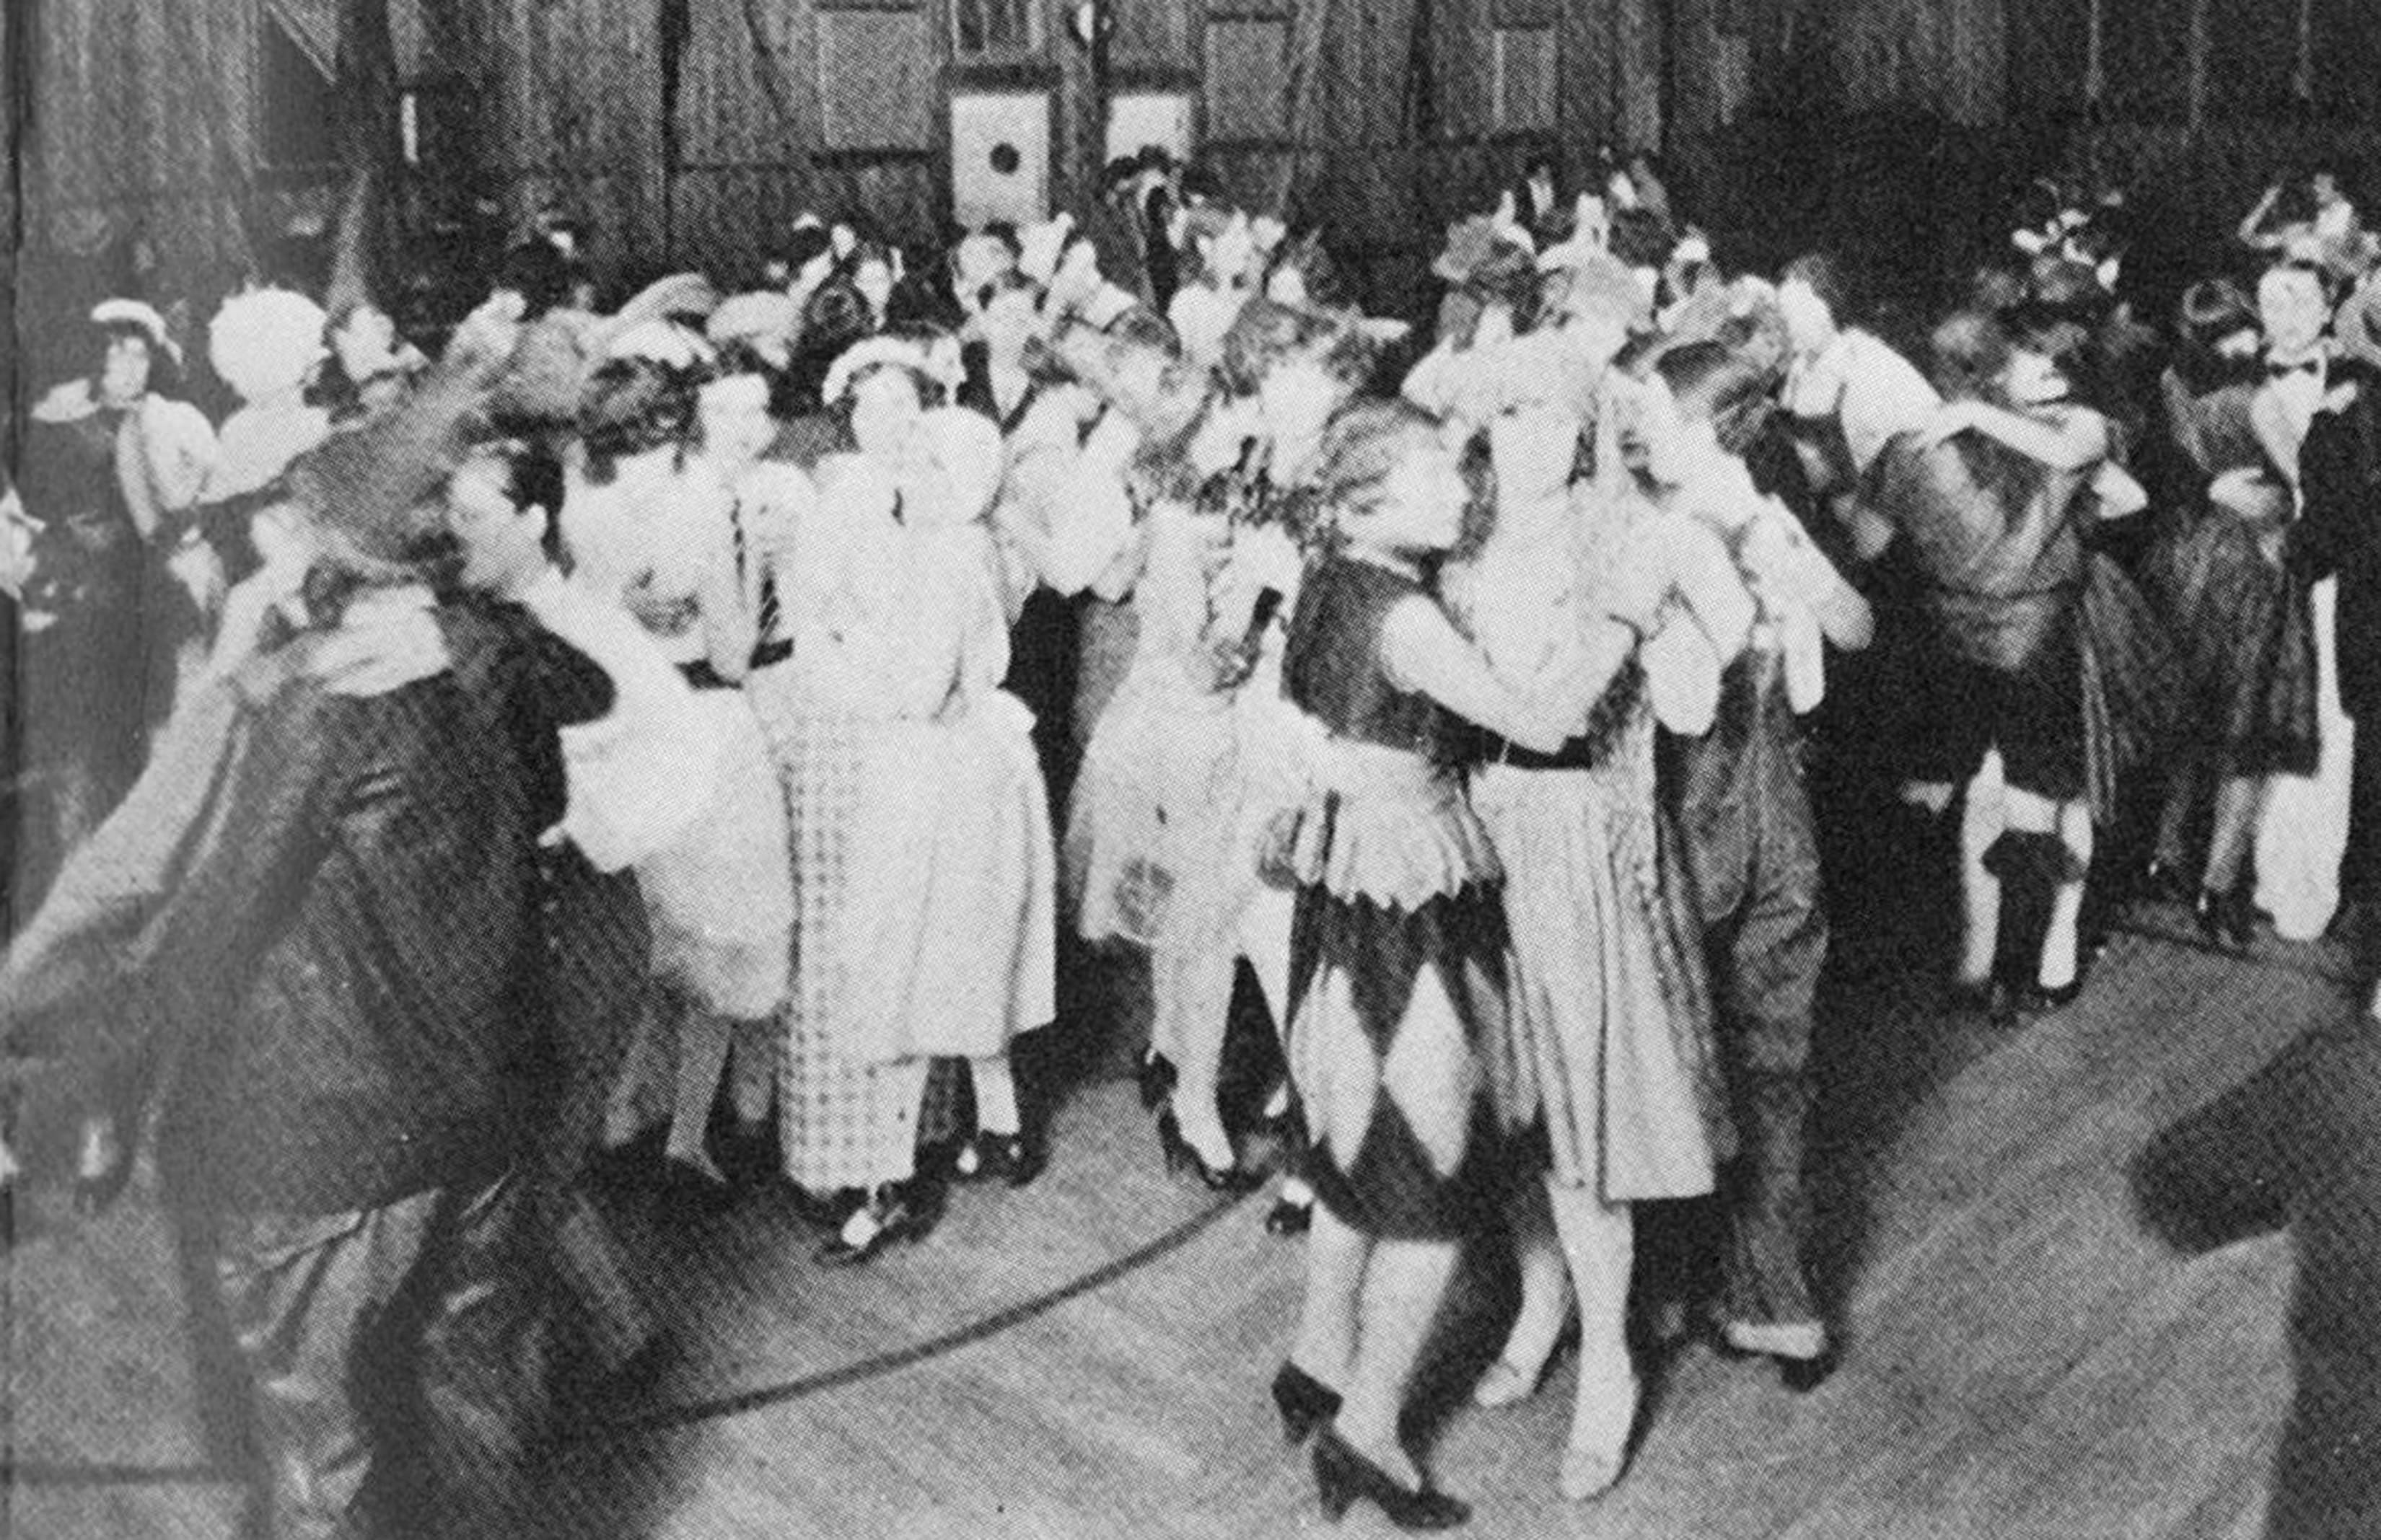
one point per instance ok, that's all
(923, 858)
(647, 522)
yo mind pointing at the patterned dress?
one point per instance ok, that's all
(1397, 950)
(923, 870)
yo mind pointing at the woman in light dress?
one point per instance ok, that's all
(924, 857)
(647, 521)
(1608, 1042)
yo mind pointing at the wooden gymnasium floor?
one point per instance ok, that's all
(1089, 1356)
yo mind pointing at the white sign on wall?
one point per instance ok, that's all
(1139, 118)
(1001, 157)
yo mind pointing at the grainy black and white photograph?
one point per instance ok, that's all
(1051, 769)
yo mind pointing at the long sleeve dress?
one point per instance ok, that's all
(922, 855)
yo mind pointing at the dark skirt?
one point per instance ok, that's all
(1898, 700)
(2134, 686)
(1419, 1165)
(2243, 632)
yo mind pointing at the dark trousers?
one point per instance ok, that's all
(1752, 859)
(2360, 864)
(396, 1362)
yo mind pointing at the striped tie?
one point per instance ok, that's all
(767, 611)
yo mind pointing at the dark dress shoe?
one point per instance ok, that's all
(1233, 1181)
(1305, 1403)
(826, 1211)
(1803, 1376)
(893, 1212)
(1342, 1476)
(2040, 999)
(1287, 1219)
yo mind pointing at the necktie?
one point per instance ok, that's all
(766, 608)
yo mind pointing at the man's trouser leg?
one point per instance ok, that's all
(309, 1298)
(1767, 985)
(390, 1348)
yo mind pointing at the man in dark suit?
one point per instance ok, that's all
(311, 936)
(2339, 533)
(2298, 1146)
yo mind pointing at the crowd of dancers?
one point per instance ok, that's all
(451, 769)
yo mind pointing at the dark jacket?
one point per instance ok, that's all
(2339, 532)
(2297, 1145)
(308, 936)
(592, 947)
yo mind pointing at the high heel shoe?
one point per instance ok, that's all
(1233, 1180)
(1305, 1403)
(892, 1213)
(1288, 1217)
(1342, 1476)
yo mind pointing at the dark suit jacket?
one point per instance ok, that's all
(307, 930)
(2297, 1145)
(2339, 467)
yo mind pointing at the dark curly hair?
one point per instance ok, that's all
(164, 375)
(631, 406)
